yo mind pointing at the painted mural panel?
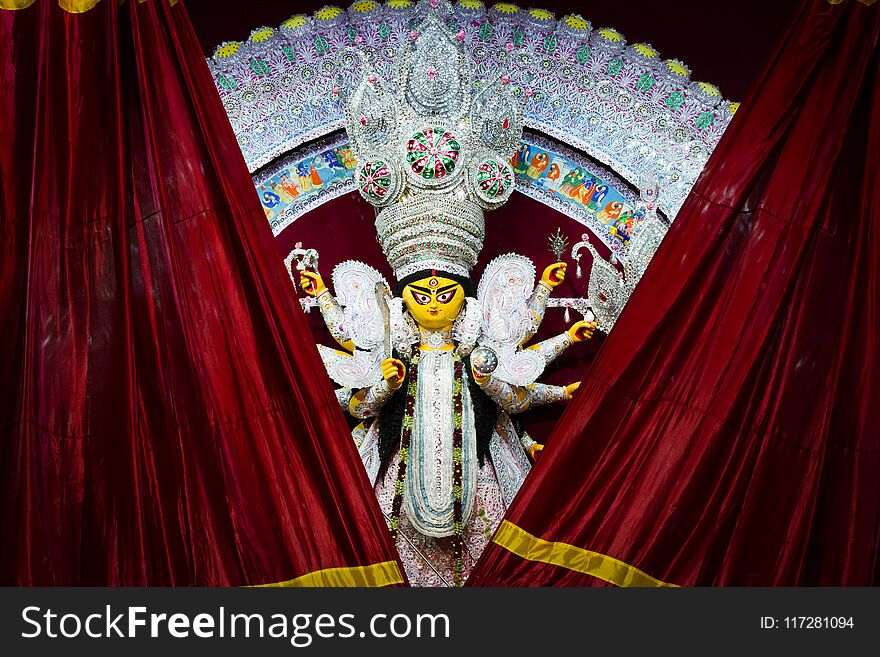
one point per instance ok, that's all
(548, 172)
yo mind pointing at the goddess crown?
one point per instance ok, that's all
(434, 153)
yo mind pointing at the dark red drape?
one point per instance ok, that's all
(729, 430)
(165, 417)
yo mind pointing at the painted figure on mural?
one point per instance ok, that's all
(304, 174)
(332, 159)
(625, 224)
(538, 165)
(436, 370)
(283, 195)
(521, 159)
(553, 175)
(572, 179)
(582, 191)
(349, 161)
(270, 199)
(610, 213)
(597, 196)
(314, 176)
(289, 186)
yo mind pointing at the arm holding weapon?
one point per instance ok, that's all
(313, 285)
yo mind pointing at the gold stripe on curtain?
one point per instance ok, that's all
(531, 548)
(386, 573)
(16, 4)
(72, 6)
(77, 6)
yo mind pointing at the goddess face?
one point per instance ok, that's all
(434, 302)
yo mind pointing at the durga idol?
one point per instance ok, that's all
(435, 370)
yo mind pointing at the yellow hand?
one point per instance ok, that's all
(571, 388)
(554, 274)
(311, 282)
(393, 371)
(581, 330)
(534, 450)
(480, 379)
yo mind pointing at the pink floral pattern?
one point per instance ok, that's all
(488, 511)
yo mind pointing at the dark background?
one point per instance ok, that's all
(724, 43)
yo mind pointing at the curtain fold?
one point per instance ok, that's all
(728, 432)
(165, 416)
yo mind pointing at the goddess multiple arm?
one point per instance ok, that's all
(367, 402)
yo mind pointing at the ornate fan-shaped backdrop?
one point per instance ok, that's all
(615, 135)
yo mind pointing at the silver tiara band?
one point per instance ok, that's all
(431, 233)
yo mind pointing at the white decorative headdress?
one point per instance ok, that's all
(435, 153)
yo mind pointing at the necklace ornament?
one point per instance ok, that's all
(436, 339)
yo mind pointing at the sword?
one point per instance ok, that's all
(383, 295)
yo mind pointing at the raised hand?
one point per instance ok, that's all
(571, 388)
(393, 371)
(554, 274)
(581, 331)
(534, 450)
(311, 282)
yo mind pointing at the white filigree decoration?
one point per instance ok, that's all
(609, 288)
(507, 321)
(404, 331)
(519, 368)
(466, 329)
(504, 292)
(355, 286)
(359, 370)
(622, 104)
(371, 112)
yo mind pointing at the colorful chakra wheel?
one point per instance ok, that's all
(378, 181)
(492, 181)
(432, 154)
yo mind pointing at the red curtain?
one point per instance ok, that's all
(165, 417)
(728, 432)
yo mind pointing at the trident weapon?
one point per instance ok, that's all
(558, 243)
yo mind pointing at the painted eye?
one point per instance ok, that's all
(446, 297)
(421, 299)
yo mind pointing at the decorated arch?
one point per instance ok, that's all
(615, 137)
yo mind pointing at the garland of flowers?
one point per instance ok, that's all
(457, 524)
(406, 436)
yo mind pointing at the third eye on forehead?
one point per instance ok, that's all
(438, 291)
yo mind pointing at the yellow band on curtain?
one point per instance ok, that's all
(386, 573)
(77, 6)
(864, 2)
(71, 6)
(609, 569)
(16, 4)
